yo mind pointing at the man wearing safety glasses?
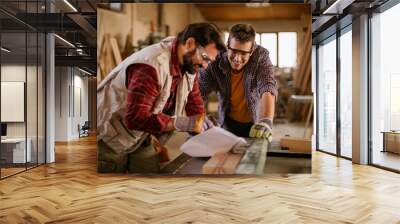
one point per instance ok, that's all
(244, 81)
(151, 93)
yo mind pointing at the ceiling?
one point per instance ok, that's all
(23, 48)
(326, 23)
(80, 27)
(76, 24)
(265, 11)
(34, 6)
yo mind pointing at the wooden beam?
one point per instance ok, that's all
(253, 161)
(238, 12)
(222, 163)
(115, 49)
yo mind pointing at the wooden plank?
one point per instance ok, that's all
(306, 74)
(307, 90)
(106, 59)
(302, 78)
(304, 61)
(115, 50)
(302, 66)
(222, 163)
(253, 161)
(304, 85)
(296, 144)
(129, 48)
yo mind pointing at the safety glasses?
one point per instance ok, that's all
(241, 53)
(204, 56)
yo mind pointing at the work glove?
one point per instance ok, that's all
(209, 122)
(191, 124)
(262, 129)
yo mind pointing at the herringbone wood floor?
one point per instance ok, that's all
(70, 191)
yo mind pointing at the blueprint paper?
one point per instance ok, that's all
(214, 140)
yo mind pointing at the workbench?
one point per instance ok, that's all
(258, 159)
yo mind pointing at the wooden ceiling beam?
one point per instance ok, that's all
(237, 12)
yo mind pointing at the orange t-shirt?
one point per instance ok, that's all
(239, 110)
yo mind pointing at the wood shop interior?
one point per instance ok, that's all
(283, 29)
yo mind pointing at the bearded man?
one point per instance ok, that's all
(152, 93)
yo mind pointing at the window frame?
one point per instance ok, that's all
(380, 9)
(333, 37)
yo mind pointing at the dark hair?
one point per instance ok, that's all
(204, 34)
(243, 33)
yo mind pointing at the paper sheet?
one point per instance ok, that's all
(214, 140)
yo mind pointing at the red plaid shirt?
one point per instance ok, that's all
(143, 90)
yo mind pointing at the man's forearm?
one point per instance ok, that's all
(141, 120)
(267, 105)
(263, 127)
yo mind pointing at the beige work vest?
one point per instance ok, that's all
(112, 96)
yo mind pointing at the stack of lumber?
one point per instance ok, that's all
(302, 77)
(110, 56)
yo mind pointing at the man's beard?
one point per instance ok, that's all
(188, 65)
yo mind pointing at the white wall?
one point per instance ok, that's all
(136, 19)
(33, 127)
(61, 103)
(135, 22)
(82, 82)
(12, 73)
(17, 73)
(70, 83)
(182, 16)
(80, 108)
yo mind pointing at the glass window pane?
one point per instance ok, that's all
(346, 94)
(385, 88)
(269, 41)
(327, 97)
(258, 39)
(23, 90)
(287, 49)
(14, 153)
(226, 36)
